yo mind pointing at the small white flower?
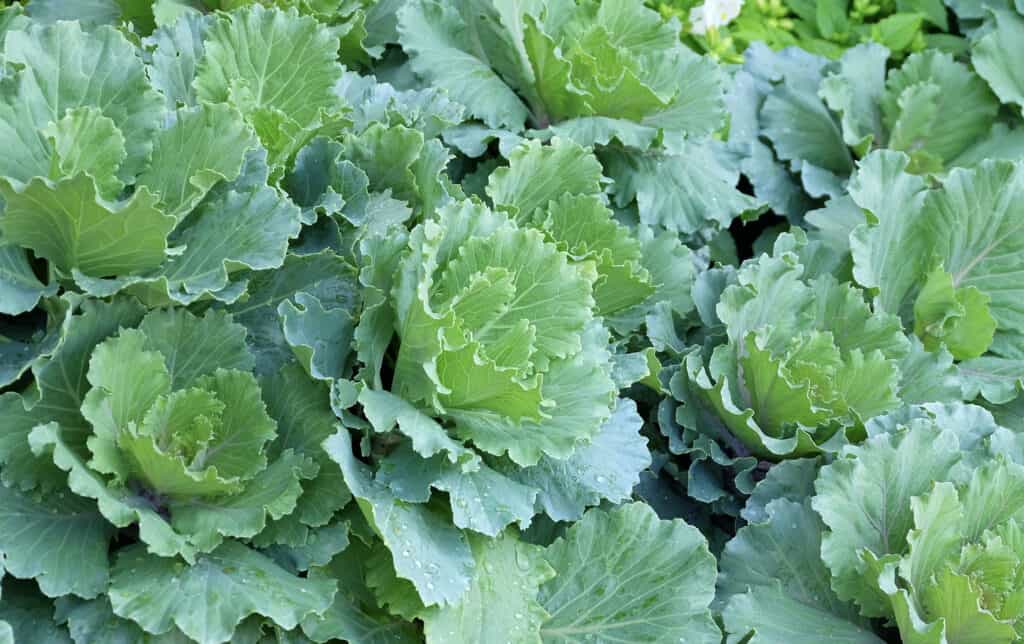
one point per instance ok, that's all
(713, 14)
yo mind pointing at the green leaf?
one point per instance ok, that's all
(992, 55)
(803, 131)
(324, 275)
(928, 376)
(126, 381)
(20, 288)
(24, 613)
(963, 107)
(209, 598)
(855, 90)
(443, 50)
(22, 346)
(202, 147)
(985, 199)
(68, 67)
(899, 32)
(92, 621)
(501, 604)
(428, 110)
(270, 494)
(427, 551)
(321, 338)
(193, 346)
(626, 575)
(84, 141)
(791, 480)
(889, 252)
(265, 59)
(864, 515)
(249, 230)
(538, 174)
(687, 191)
(68, 223)
(777, 586)
(355, 615)
(386, 412)
(59, 540)
(607, 468)
(176, 51)
(582, 393)
(483, 500)
(401, 160)
(960, 320)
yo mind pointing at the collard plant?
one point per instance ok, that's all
(274, 375)
(502, 321)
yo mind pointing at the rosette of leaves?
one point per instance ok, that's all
(608, 74)
(935, 551)
(149, 473)
(805, 363)
(495, 402)
(956, 291)
(145, 181)
(803, 121)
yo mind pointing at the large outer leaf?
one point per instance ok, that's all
(777, 586)
(625, 575)
(854, 91)
(177, 50)
(803, 131)
(443, 50)
(325, 276)
(864, 499)
(427, 550)
(963, 106)
(208, 599)
(355, 615)
(94, 621)
(202, 147)
(228, 232)
(975, 224)
(67, 67)
(606, 468)
(61, 541)
(501, 604)
(686, 191)
(267, 58)
(890, 253)
(994, 53)
(68, 223)
(25, 614)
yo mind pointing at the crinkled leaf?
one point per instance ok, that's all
(208, 599)
(427, 551)
(68, 223)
